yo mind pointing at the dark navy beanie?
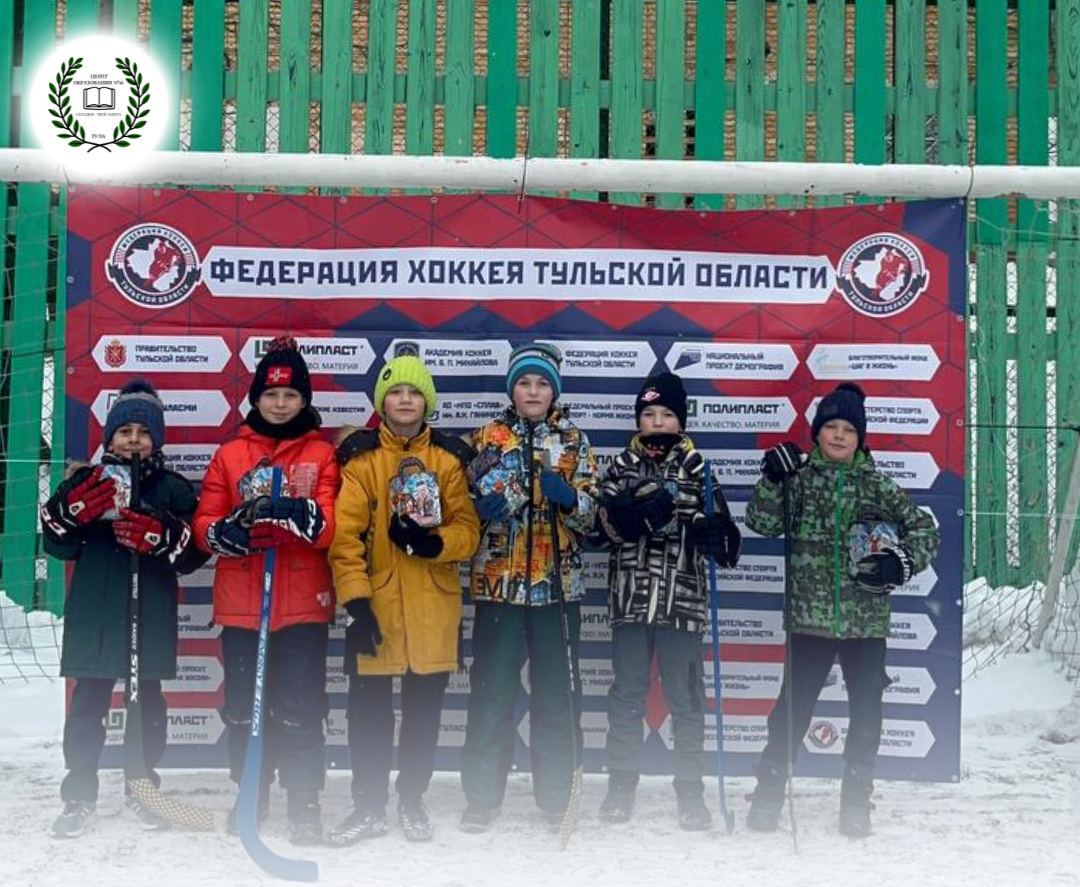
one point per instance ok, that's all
(137, 401)
(845, 401)
(665, 390)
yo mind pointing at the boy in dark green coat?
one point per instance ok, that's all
(855, 536)
(80, 523)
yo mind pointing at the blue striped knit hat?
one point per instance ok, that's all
(541, 358)
(139, 402)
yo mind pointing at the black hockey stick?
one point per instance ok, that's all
(137, 776)
(247, 809)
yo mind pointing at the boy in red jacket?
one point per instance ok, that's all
(237, 521)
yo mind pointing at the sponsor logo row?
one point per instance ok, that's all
(742, 733)
(489, 357)
(209, 408)
(907, 631)
(741, 680)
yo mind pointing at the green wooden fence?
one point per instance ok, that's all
(873, 82)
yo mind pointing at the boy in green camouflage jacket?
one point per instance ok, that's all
(855, 536)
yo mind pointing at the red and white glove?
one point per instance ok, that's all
(74, 505)
(286, 520)
(154, 533)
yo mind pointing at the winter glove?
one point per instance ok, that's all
(782, 461)
(152, 532)
(414, 539)
(285, 520)
(717, 537)
(555, 489)
(640, 512)
(362, 634)
(231, 536)
(884, 570)
(492, 507)
(73, 506)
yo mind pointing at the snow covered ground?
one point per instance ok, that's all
(1013, 820)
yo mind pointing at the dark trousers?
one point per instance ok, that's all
(294, 706)
(371, 735)
(862, 661)
(678, 654)
(84, 734)
(503, 634)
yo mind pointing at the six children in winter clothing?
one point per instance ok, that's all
(384, 536)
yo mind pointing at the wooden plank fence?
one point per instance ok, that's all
(873, 82)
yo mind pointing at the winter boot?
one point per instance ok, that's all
(767, 799)
(148, 819)
(477, 819)
(304, 817)
(414, 819)
(855, 806)
(694, 816)
(618, 805)
(359, 825)
(77, 817)
(263, 811)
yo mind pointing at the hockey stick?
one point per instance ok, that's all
(247, 808)
(718, 708)
(573, 803)
(788, 665)
(139, 784)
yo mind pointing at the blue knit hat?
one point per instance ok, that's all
(541, 358)
(137, 401)
(845, 401)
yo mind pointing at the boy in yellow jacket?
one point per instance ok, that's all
(404, 520)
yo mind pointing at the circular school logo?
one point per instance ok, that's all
(882, 274)
(152, 265)
(98, 104)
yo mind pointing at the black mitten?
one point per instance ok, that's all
(413, 539)
(362, 634)
(718, 537)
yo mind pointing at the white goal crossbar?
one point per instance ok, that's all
(554, 174)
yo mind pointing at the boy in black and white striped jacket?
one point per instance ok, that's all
(653, 512)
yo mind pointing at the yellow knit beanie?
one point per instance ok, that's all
(406, 370)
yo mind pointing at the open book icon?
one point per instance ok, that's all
(99, 98)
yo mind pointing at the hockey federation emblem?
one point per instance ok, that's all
(882, 274)
(154, 266)
(115, 354)
(823, 734)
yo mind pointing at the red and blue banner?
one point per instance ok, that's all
(760, 313)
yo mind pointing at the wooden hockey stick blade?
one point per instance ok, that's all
(184, 816)
(573, 805)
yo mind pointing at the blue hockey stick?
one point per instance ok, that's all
(718, 709)
(247, 812)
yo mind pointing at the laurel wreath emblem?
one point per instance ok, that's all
(71, 130)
